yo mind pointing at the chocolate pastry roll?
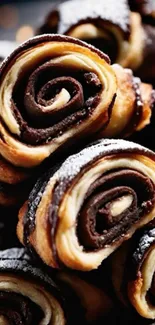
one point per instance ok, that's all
(111, 27)
(78, 215)
(104, 24)
(134, 272)
(146, 8)
(27, 294)
(53, 89)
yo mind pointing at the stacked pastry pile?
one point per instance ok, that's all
(84, 193)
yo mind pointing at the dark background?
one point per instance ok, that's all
(19, 19)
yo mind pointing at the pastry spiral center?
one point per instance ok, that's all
(112, 204)
(118, 206)
(53, 98)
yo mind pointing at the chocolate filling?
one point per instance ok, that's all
(97, 225)
(19, 310)
(34, 96)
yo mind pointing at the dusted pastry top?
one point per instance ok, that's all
(17, 259)
(102, 24)
(101, 10)
(112, 28)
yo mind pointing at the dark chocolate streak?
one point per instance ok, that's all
(19, 310)
(75, 166)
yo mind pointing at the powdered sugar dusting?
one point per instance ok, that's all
(145, 242)
(17, 260)
(72, 166)
(115, 12)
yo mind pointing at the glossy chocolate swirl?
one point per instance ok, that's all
(81, 213)
(53, 89)
(27, 294)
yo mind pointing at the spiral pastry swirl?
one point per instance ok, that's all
(52, 89)
(80, 214)
(138, 281)
(27, 294)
